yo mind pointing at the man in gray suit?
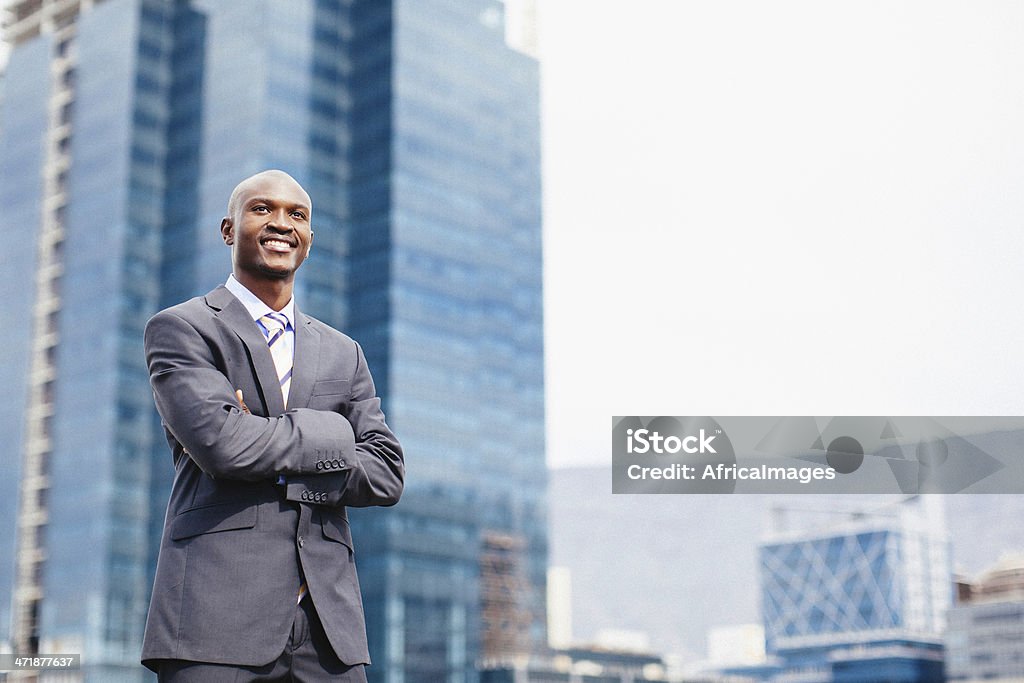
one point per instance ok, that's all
(275, 428)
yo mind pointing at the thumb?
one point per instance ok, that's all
(241, 401)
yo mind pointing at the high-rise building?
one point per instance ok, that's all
(985, 635)
(559, 607)
(414, 126)
(862, 597)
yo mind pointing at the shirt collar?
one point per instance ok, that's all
(257, 309)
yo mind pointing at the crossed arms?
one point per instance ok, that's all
(351, 457)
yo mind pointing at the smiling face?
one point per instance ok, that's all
(268, 228)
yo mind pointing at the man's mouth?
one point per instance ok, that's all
(276, 244)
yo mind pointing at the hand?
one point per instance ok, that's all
(245, 408)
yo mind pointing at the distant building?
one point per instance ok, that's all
(584, 664)
(559, 607)
(737, 644)
(985, 637)
(862, 599)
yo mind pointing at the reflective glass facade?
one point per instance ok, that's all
(862, 600)
(416, 131)
(99, 561)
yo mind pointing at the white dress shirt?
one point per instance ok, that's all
(257, 309)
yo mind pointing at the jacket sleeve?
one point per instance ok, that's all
(197, 403)
(373, 472)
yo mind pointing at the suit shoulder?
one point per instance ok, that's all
(191, 310)
(329, 333)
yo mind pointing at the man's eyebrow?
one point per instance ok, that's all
(264, 200)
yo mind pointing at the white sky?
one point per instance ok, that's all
(780, 208)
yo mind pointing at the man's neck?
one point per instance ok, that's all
(274, 293)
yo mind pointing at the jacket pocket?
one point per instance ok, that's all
(329, 395)
(336, 528)
(331, 387)
(210, 519)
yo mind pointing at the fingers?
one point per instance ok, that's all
(245, 408)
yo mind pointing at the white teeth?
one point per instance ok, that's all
(277, 243)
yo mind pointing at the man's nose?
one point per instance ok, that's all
(280, 220)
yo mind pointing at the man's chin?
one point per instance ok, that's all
(276, 273)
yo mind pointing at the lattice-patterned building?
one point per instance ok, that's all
(863, 599)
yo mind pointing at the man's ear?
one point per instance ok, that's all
(227, 231)
(309, 247)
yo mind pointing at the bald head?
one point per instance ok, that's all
(269, 230)
(259, 179)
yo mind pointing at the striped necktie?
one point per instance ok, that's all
(275, 325)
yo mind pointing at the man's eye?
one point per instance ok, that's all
(299, 214)
(259, 208)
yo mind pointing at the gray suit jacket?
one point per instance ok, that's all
(234, 541)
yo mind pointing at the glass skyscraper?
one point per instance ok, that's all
(414, 126)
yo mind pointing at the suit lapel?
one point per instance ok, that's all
(304, 365)
(235, 315)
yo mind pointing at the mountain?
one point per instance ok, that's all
(674, 566)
